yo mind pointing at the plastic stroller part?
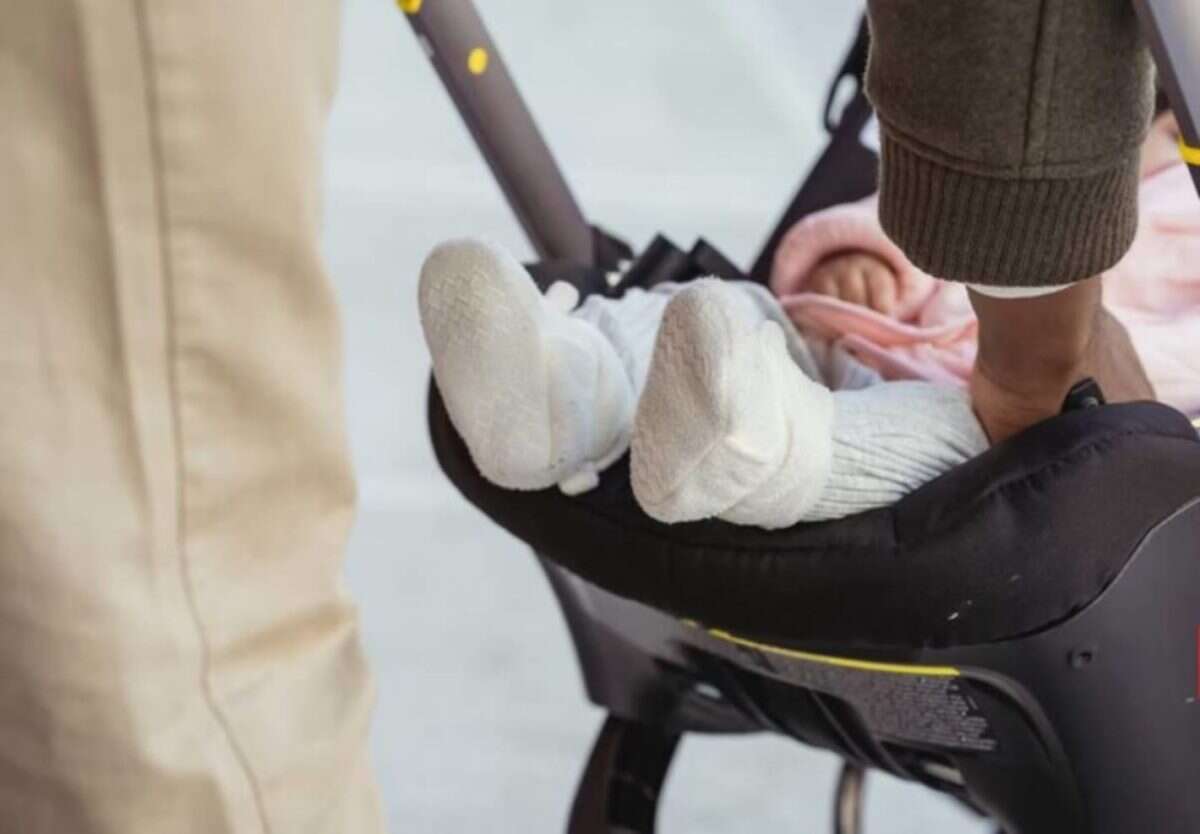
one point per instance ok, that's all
(620, 787)
(661, 262)
(1172, 29)
(1085, 727)
(708, 260)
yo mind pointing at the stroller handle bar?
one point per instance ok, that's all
(465, 58)
(469, 66)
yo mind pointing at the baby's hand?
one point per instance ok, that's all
(857, 278)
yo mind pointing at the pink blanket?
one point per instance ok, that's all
(1154, 291)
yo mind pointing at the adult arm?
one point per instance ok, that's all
(1011, 131)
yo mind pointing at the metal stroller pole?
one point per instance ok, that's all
(620, 788)
(848, 800)
(1172, 29)
(466, 60)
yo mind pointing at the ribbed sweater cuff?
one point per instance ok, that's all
(1006, 232)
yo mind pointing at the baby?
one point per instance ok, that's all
(728, 411)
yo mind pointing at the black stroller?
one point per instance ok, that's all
(991, 636)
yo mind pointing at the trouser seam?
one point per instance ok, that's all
(162, 219)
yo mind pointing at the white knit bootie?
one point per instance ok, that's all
(539, 397)
(728, 426)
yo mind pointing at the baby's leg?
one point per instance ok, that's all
(631, 324)
(539, 396)
(890, 439)
(729, 426)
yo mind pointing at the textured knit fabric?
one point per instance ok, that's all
(541, 397)
(890, 437)
(178, 653)
(1154, 291)
(730, 427)
(1010, 134)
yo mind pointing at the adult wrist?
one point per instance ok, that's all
(1037, 346)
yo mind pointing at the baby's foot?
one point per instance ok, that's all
(728, 425)
(539, 397)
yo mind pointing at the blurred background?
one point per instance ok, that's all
(692, 117)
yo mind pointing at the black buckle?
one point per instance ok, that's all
(1083, 394)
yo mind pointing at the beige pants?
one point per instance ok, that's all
(177, 651)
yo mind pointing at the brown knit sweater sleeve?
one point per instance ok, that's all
(1011, 131)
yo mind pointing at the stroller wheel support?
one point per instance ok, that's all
(620, 787)
(623, 780)
(848, 800)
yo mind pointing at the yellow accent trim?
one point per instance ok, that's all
(1190, 155)
(477, 61)
(841, 662)
(409, 6)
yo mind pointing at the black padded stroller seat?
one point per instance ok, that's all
(1011, 542)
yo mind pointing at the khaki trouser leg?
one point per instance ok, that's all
(177, 652)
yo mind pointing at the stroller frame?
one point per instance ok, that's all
(451, 33)
(660, 677)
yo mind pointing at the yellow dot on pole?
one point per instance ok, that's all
(1190, 155)
(409, 6)
(477, 61)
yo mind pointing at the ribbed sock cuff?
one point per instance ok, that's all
(1006, 232)
(890, 439)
